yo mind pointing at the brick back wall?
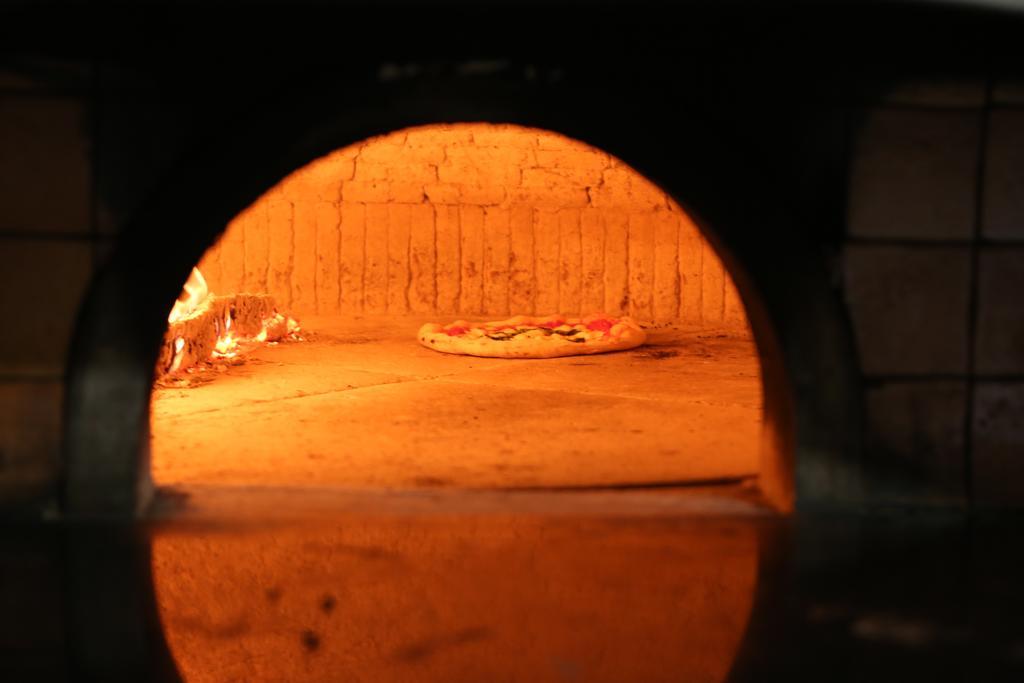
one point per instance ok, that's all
(474, 219)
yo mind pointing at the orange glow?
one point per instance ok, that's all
(192, 294)
(474, 221)
(456, 598)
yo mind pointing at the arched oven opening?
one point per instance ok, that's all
(290, 364)
(800, 335)
(291, 355)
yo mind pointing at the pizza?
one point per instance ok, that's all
(526, 337)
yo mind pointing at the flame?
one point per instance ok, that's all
(227, 345)
(179, 344)
(193, 294)
(274, 329)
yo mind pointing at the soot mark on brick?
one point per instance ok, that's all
(328, 603)
(357, 340)
(310, 640)
(426, 648)
(658, 354)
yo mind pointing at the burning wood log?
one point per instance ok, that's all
(202, 326)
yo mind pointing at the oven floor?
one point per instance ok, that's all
(360, 404)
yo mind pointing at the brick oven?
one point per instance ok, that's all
(463, 220)
(816, 216)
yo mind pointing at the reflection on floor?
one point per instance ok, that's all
(642, 588)
(497, 597)
(361, 404)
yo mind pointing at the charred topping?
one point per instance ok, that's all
(505, 335)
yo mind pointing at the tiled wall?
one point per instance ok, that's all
(47, 242)
(475, 219)
(933, 275)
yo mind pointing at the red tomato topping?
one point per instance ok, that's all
(552, 324)
(602, 324)
(455, 330)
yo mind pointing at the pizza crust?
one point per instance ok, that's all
(623, 334)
